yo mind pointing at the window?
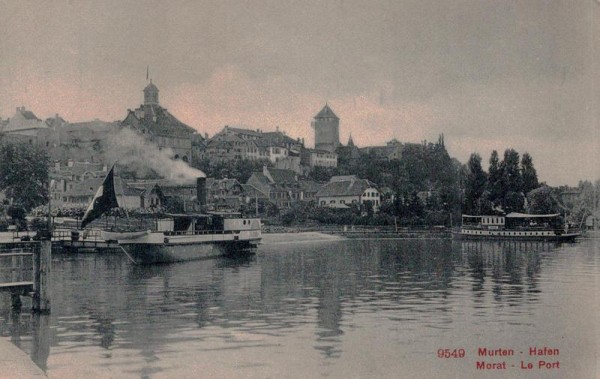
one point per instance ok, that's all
(342, 201)
(332, 202)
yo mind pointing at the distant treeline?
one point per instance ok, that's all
(503, 187)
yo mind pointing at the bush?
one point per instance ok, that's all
(38, 224)
(3, 225)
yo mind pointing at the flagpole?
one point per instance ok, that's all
(104, 199)
(123, 197)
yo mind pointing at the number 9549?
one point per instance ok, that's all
(451, 353)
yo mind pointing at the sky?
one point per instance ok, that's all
(488, 74)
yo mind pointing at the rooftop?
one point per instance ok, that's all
(326, 112)
(345, 186)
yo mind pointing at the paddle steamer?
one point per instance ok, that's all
(519, 226)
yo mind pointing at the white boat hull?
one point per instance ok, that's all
(538, 235)
(167, 248)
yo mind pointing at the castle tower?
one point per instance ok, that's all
(327, 130)
(151, 94)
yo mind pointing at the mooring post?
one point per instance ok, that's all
(42, 260)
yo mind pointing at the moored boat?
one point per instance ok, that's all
(517, 226)
(178, 237)
(184, 237)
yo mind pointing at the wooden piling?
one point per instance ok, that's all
(42, 260)
(16, 301)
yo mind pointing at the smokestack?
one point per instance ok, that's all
(201, 192)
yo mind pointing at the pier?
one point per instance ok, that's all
(24, 271)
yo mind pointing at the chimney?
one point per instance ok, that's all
(201, 192)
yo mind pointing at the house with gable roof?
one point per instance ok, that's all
(237, 143)
(224, 194)
(343, 191)
(281, 187)
(23, 127)
(82, 193)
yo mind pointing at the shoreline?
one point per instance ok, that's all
(295, 234)
(294, 237)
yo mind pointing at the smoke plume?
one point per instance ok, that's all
(136, 154)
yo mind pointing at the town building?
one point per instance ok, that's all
(224, 195)
(80, 194)
(570, 196)
(280, 138)
(23, 127)
(327, 130)
(349, 152)
(391, 151)
(65, 177)
(344, 191)
(318, 158)
(159, 126)
(309, 189)
(236, 143)
(281, 187)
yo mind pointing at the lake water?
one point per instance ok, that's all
(337, 309)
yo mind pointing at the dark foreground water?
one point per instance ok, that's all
(349, 309)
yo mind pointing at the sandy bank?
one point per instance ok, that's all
(278, 238)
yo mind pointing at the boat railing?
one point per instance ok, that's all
(74, 235)
(197, 232)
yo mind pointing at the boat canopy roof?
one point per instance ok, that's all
(188, 215)
(525, 215)
(204, 215)
(517, 215)
(224, 214)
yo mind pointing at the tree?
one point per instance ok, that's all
(513, 202)
(322, 174)
(24, 174)
(494, 179)
(543, 201)
(511, 173)
(475, 184)
(511, 197)
(528, 174)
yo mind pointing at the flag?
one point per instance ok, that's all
(105, 199)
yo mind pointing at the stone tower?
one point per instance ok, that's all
(151, 94)
(327, 130)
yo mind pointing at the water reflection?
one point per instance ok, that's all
(511, 269)
(145, 320)
(40, 342)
